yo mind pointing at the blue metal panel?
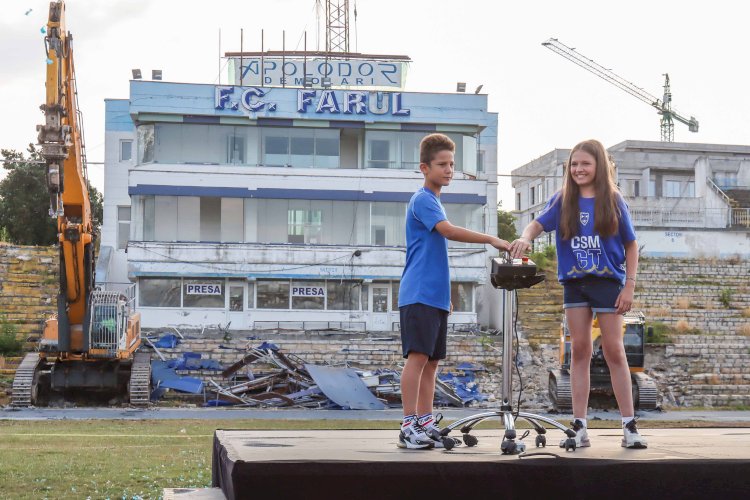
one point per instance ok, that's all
(282, 103)
(343, 124)
(117, 116)
(295, 194)
(275, 122)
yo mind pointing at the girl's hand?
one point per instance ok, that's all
(625, 300)
(519, 248)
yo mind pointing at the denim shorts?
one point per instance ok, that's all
(424, 329)
(598, 294)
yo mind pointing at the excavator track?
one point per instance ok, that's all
(24, 383)
(647, 391)
(140, 379)
(559, 390)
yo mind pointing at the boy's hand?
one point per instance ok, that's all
(519, 248)
(500, 244)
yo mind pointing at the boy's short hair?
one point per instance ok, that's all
(432, 145)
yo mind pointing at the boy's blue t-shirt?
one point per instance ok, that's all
(588, 254)
(426, 277)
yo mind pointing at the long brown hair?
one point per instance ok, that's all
(606, 211)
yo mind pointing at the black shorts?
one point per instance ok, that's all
(598, 294)
(424, 329)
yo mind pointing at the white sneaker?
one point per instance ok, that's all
(413, 437)
(581, 437)
(631, 437)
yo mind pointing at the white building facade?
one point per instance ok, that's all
(284, 207)
(685, 199)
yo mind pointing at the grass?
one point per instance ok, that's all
(137, 459)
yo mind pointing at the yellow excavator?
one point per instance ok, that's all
(633, 331)
(90, 346)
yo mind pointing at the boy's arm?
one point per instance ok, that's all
(456, 233)
(523, 243)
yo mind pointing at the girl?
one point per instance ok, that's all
(597, 260)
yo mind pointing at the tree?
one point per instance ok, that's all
(506, 224)
(24, 200)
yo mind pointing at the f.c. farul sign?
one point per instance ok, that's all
(348, 102)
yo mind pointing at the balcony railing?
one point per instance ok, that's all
(698, 218)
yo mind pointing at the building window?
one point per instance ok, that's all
(308, 295)
(395, 286)
(126, 150)
(343, 295)
(203, 293)
(690, 189)
(158, 292)
(636, 188)
(518, 201)
(401, 150)
(462, 297)
(304, 226)
(273, 294)
(672, 189)
(210, 219)
(236, 150)
(652, 188)
(123, 227)
(532, 196)
(236, 296)
(301, 148)
(145, 143)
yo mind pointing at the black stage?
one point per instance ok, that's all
(360, 464)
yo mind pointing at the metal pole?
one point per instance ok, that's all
(262, 71)
(242, 45)
(507, 346)
(283, 58)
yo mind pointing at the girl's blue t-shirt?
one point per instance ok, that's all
(588, 254)
(426, 276)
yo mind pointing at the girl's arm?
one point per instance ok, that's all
(523, 244)
(625, 300)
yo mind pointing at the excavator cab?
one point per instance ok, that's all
(633, 331)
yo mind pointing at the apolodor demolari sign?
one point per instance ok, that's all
(278, 71)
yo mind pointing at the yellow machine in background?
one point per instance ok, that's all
(89, 346)
(633, 331)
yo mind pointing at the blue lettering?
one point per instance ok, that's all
(304, 97)
(379, 103)
(397, 109)
(356, 100)
(286, 72)
(368, 65)
(327, 69)
(327, 102)
(221, 97)
(385, 73)
(345, 66)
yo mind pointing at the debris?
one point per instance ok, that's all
(164, 377)
(344, 387)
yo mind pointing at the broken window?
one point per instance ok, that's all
(159, 292)
(273, 294)
(462, 297)
(343, 295)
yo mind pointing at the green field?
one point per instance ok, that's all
(137, 459)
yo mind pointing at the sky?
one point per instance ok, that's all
(544, 101)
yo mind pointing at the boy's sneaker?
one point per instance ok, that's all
(414, 437)
(631, 437)
(582, 435)
(432, 430)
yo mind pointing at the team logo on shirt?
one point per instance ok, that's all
(584, 217)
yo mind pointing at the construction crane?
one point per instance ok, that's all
(663, 106)
(89, 346)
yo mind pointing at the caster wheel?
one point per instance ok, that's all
(540, 441)
(508, 447)
(448, 443)
(570, 444)
(470, 440)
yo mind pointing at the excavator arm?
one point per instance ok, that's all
(62, 147)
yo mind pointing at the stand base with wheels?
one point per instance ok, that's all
(509, 277)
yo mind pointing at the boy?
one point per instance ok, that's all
(424, 297)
